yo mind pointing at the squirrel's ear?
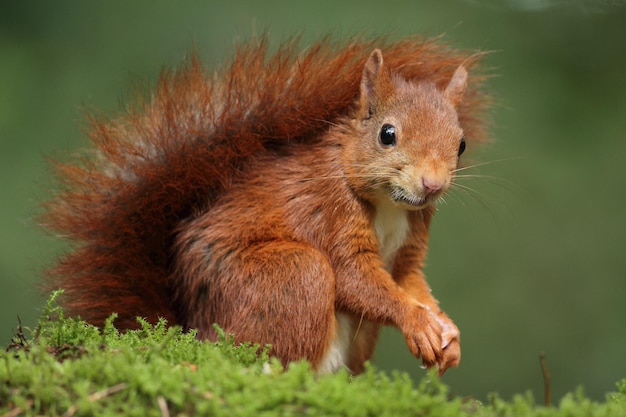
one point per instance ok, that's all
(371, 72)
(372, 80)
(456, 87)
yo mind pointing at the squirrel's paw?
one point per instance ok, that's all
(423, 333)
(449, 343)
(451, 356)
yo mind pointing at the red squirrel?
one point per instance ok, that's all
(286, 197)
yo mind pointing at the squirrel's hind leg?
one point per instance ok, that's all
(279, 293)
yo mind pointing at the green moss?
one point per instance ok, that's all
(70, 368)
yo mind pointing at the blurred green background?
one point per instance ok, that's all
(533, 261)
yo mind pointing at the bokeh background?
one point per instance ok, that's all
(532, 261)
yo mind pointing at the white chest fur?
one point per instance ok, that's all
(392, 226)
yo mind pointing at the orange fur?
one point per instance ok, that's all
(249, 196)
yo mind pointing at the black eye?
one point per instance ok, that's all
(462, 146)
(388, 135)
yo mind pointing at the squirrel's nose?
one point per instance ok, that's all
(432, 185)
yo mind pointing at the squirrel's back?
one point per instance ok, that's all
(173, 155)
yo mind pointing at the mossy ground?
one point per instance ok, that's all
(67, 367)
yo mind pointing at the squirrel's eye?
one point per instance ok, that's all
(462, 146)
(388, 135)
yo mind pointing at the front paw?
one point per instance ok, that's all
(423, 333)
(449, 331)
(451, 356)
(450, 343)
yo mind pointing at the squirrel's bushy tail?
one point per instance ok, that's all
(173, 154)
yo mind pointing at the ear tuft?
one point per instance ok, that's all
(372, 83)
(456, 87)
(371, 73)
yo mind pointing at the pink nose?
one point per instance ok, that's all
(432, 185)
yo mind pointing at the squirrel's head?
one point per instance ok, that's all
(408, 139)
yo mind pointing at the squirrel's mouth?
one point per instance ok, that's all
(414, 201)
